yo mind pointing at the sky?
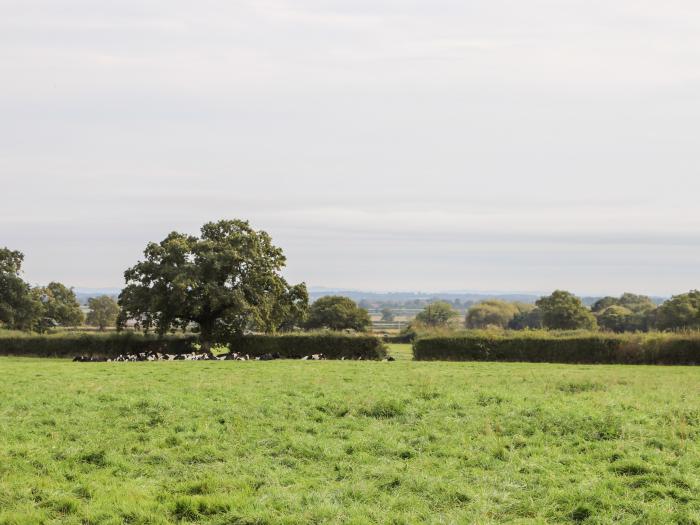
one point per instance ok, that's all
(434, 145)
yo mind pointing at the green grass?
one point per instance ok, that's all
(347, 442)
(400, 352)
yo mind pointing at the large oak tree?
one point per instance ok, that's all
(224, 282)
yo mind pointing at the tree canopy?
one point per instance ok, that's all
(59, 304)
(10, 261)
(337, 313)
(387, 315)
(103, 311)
(19, 308)
(633, 302)
(564, 311)
(530, 318)
(491, 313)
(681, 312)
(615, 318)
(224, 282)
(436, 314)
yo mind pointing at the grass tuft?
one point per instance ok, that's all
(630, 468)
(576, 387)
(97, 458)
(384, 409)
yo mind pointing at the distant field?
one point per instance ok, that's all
(347, 442)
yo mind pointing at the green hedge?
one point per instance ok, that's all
(331, 345)
(88, 344)
(670, 349)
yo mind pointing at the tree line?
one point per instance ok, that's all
(562, 310)
(227, 281)
(40, 308)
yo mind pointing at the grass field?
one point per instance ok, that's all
(347, 442)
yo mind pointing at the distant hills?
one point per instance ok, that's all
(466, 298)
(83, 294)
(403, 297)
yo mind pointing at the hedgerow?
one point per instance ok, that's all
(567, 347)
(89, 344)
(332, 345)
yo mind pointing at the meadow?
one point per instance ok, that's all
(293, 441)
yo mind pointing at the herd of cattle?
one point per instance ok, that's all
(231, 356)
(157, 356)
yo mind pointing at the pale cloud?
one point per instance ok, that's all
(384, 144)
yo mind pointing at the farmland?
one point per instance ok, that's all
(347, 442)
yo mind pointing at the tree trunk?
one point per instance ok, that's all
(205, 348)
(206, 334)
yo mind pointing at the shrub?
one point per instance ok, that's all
(93, 345)
(493, 312)
(332, 345)
(567, 347)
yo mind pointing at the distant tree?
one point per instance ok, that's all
(103, 312)
(59, 304)
(564, 311)
(436, 314)
(226, 281)
(491, 313)
(681, 312)
(530, 318)
(337, 313)
(19, 308)
(524, 307)
(387, 315)
(287, 311)
(603, 303)
(627, 313)
(615, 318)
(634, 303)
(364, 304)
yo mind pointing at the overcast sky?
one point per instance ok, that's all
(387, 145)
